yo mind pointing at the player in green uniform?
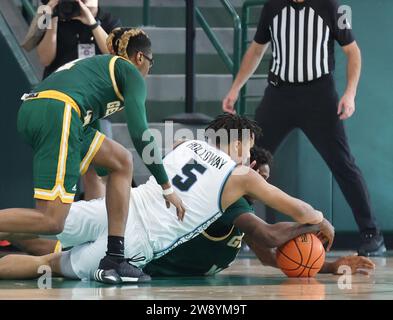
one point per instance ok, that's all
(56, 121)
(218, 246)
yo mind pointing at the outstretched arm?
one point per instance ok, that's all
(267, 256)
(346, 106)
(357, 264)
(134, 90)
(271, 235)
(251, 59)
(245, 181)
(250, 62)
(300, 211)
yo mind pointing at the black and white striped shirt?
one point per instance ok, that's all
(302, 37)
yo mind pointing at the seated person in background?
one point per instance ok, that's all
(76, 38)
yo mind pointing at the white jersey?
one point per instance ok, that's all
(198, 173)
(197, 168)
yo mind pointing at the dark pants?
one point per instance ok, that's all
(313, 109)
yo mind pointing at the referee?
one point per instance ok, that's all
(302, 94)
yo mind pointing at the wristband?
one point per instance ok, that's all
(94, 26)
(167, 192)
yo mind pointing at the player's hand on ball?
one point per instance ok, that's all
(357, 264)
(174, 199)
(326, 233)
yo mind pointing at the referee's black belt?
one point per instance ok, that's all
(275, 81)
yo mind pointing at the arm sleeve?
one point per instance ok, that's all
(263, 36)
(133, 88)
(342, 28)
(235, 210)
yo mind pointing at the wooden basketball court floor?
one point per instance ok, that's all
(245, 279)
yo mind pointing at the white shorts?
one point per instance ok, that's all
(87, 221)
(86, 231)
(152, 229)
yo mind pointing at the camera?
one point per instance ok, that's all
(66, 9)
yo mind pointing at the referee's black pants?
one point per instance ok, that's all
(313, 108)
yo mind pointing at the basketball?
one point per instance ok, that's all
(301, 257)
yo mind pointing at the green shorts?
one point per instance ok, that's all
(63, 148)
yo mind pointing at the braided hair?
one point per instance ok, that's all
(124, 42)
(230, 123)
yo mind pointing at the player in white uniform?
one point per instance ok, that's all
(209, 179)
(197, 170)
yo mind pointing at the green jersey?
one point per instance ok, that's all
(101, 86)
(210, 252)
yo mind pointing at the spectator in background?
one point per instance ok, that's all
(83, 36)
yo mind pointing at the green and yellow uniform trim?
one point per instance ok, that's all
(58, 247)
(94, 88)
(211, 238)
(113, 77)
(57, 95)
(68, 141)
(58, 190)
(93, 149)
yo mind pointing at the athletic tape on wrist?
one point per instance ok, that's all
(167, 192)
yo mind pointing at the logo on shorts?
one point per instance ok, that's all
(74, 188)
(87, 118)
(27, 96)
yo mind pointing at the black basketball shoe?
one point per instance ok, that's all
(372, 244)
(114, 270)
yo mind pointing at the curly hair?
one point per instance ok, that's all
(261, 156)
(229, 124)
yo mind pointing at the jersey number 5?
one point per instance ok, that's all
(184, 184)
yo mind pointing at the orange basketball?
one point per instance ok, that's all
(301, 257)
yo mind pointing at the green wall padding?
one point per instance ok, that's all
(16, 186)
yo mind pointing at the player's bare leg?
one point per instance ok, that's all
(118, 161)
(16, 266)
(113, 267)
(30, 243)
(36, 247)
(47, 218)
(94, 186)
